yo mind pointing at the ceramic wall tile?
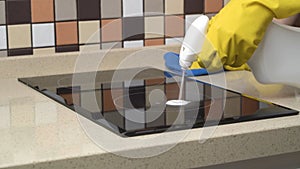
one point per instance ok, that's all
(42, 11)
(2, 13)
(154, 27)
(3, 38)
(189, 20)
(65, 10)
(88, 9)
(174, 26)
(193, 6)
(154, 42)
(173, 7)
(111, 8)
(213, 6)
(154, 7)
(133, 28)
(67, 25)
(132, 8)
(133, 44)
(43, 35)
(111, 30)
(19, 36)
(66, 33)
(89, 32)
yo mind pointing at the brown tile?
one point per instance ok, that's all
(111, 30)
(157, 81)
(154, 42)
(213, 6)
(172, 91)
(88, 9)
(71, 98)
(108, 100)
(42, 10)
(249, 106)
(174, 26)
(18, 12)
(193, 6)
(66, 33)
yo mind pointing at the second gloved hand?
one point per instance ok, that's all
(235, 32)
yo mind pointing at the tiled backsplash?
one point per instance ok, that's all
(32, 26)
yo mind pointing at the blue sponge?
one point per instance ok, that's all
(172, 63)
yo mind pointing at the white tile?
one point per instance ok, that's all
(132, 8)
(3, 37)
(134, 83)
(43, 35)
(133, 44)
(174, 41)
(189, 19)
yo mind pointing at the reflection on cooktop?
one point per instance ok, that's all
(131, 102)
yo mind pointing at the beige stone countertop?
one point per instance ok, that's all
(37, 132)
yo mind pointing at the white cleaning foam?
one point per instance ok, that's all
(179, 101)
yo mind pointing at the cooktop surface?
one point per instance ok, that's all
(132, 102)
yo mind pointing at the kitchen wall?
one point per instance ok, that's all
(50, 26)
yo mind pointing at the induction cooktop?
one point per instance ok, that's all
(132, 102)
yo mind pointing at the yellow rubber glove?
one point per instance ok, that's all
(235, 32)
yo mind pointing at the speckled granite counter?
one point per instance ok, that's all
(37, 132)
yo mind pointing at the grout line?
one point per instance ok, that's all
(54, 22)
(31, 29)
(77, 22)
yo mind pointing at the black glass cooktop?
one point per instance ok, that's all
(131, 102)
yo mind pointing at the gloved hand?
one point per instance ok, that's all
(236, 31)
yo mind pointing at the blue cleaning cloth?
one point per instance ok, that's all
(172, 63)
